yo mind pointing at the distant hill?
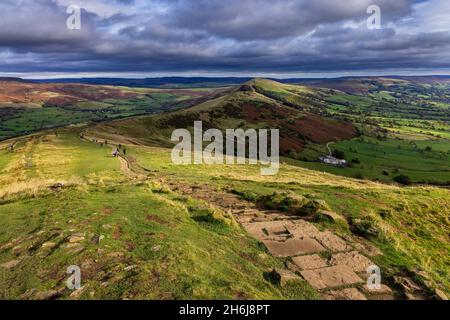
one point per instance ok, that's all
(27, 106)
(4, 79)
(164, 82)
(364, 85)
(259, 103)
(208, 82)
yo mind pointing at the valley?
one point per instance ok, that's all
(141, 227)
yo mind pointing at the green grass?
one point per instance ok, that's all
(196, 260)
(200, 255)
(385, 159)
(414, 236)
(160, 245)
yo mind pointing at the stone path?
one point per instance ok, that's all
(334, 266)
(337, 268)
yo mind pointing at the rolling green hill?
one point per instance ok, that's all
(141, 227)
(26, 106)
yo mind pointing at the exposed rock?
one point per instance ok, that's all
(440, 294)
(384, 289)
(12, 244)
(47, 295)
(264, 229)
(407, 284)
(411, 296)
(17, 250)
(77, 293)
(74, 247)
(331, 277)
(332, 242)
(10, 264)
(345, 294)
(309, 262)
(48, 245)
(354, 260)
(281, 277)
(129, 268)
(76, 238)
(27, 295)
(156, 248)
(301, 228)
(293, 247)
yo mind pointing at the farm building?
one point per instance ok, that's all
(333, 161)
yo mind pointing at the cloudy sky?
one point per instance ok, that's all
(137, 38)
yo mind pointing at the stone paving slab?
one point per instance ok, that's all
(331, 277)
(293, 247)
(353, 260)
(345, 294)
(302, 228)
(332, 242)
(261, 230)
(309, 262)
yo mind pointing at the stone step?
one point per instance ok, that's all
(331, 277)
(293, 247)
(353, 260)
(310, 262)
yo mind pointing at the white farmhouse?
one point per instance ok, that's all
(333, 161)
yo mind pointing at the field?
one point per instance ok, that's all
(424, 161)
(27, 107)
(141, 227)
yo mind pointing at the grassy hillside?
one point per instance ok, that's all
(137, 240)
(256, 104)
(142, 227)
(67, 201)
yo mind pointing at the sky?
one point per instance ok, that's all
(277, 38)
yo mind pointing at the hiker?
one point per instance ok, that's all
(115, 153)
(124, 151)
(101, 144)
(120, 146)
(106, 142)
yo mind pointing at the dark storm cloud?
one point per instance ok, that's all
(284, 36)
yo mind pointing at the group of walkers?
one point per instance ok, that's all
(116, 152)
